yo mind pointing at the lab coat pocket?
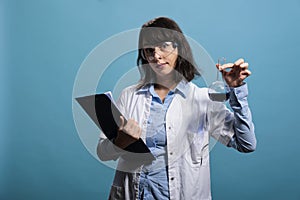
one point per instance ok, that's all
(198, 149)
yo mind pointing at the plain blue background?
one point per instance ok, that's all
(43, 43)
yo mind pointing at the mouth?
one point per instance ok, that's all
(161, 65)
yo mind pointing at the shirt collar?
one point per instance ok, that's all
(144, 88)
(181, 88)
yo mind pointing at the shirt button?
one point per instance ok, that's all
(172, 178)
(171, 153)
(169, 127)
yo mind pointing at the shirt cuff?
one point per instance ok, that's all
(238, 96)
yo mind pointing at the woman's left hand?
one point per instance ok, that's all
(237, 74)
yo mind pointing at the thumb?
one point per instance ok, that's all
(121, 122)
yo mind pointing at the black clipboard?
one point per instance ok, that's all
(105, 114)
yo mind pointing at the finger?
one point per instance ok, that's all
(239, 62)
(244, 65)
(218, 65)
(122, 123)
(136, 135)
(246, 72)
(129, 124)
(132, 128)
(136, 132)
(139, 132)
(226, 67)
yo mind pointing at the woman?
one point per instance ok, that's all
(175, 119)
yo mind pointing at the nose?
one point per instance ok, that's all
(157, 53)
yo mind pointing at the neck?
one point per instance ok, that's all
(165, 84)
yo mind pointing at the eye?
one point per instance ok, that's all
(166, 45)
(149, 51)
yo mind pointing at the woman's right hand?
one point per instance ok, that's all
(128, 133)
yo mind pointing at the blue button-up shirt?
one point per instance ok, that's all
(154, 177)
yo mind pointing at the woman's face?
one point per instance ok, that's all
(162, 58)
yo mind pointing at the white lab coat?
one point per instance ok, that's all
(190, 120)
